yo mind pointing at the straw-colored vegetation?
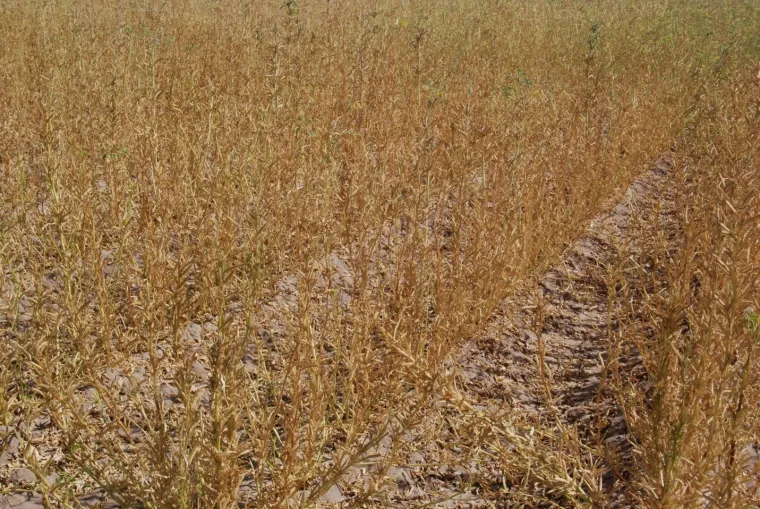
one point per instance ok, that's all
(241, 242)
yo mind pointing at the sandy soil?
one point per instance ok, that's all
(562, 319)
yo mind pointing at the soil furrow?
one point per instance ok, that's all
(562, 322)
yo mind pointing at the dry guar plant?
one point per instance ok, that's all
(241, 241)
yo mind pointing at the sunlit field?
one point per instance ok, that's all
(245, 247)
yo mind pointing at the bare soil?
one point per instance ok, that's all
(562, 319)
(542, 355)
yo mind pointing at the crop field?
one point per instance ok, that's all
(383, 253)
